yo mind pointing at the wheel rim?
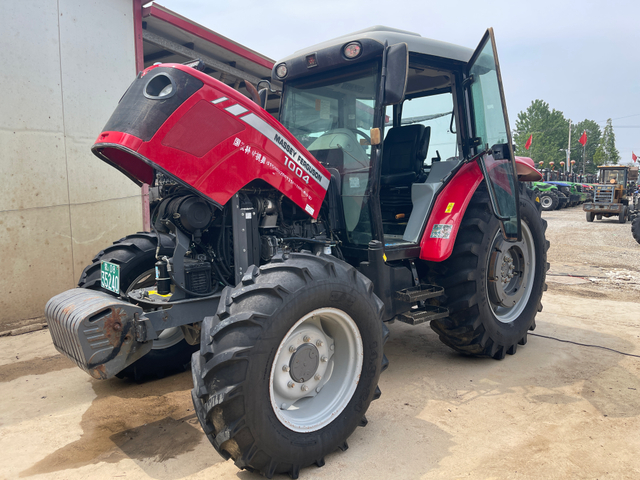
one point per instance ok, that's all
(546, 201)
(169, 336)
(316, 370)
(510, 275)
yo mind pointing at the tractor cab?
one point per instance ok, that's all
(394, 116)
(610, 197)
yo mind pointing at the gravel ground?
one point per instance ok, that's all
(603, 254)
(560, 408)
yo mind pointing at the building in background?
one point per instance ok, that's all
(66, 64)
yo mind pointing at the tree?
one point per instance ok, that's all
(610, 152)
(593, 140)
(550, 132)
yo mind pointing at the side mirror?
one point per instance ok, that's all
(397, 72)
(263, 93)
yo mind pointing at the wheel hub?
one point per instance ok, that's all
(304, 363)
(316, 370)
(510, 273)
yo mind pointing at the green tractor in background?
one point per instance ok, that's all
(551, 198)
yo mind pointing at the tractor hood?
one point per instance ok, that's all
(208, 137)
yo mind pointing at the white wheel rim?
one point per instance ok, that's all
(312, 404)
(526, 269)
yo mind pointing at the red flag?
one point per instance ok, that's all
(528, 144)
(634, 157)
(583, 138)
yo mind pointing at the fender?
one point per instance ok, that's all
(441, 231)
(446, 215)
(208, 137)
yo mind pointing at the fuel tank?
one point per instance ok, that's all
(208, 137)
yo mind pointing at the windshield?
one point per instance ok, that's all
(613, 176)
(332, 117)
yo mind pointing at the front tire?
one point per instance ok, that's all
(549, 201)
(493, 288)
(290, 363)
(590, 216)
(136, 255)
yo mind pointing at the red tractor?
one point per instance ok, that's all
(387, 191)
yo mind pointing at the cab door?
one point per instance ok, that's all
(491, 141)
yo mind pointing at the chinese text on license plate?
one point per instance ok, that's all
(110, 276)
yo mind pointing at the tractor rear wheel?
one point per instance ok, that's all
(290, 363)
(622, 218)
(493, 288)
(549, 201)
(635, 229)
(136, 256)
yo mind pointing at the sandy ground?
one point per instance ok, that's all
(554, 410)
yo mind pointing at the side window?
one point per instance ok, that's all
(435, 111)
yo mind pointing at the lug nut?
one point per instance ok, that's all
(319, 343)
(317, 377)
(332, 347)
(304, 388)
(283, 406)
(291, 384)
(324, 359)
(306, 338)
(285, 368)
(292, 349)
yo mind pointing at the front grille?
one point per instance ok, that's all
(604, 195)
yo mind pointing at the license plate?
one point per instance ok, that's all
(110, 276)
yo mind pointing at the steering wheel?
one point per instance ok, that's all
(361, 133)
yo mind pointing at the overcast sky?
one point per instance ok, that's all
(581, 57)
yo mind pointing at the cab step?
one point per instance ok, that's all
(416, 316)
(419, 293)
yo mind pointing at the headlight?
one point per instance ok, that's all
(281, 70)
(352, 50)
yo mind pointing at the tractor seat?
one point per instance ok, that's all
(403, 154)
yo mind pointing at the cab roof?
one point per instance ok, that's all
(382, 34)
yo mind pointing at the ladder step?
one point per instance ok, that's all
(425, 314)
(419, 293)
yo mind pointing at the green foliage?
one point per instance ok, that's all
(608, 143)
(550, 136)
(593, 140)
(550, 133)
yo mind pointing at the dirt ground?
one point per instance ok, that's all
(554, 410)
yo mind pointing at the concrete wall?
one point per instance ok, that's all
(65, 65)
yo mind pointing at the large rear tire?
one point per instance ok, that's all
(290, 363)
(622, 218)
(635, 229)
(493, 288)
(136, 255)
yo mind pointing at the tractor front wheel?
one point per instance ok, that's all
(591, 216)
(549, 201)
(493, 288)
(290, 363)
(136, 256)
